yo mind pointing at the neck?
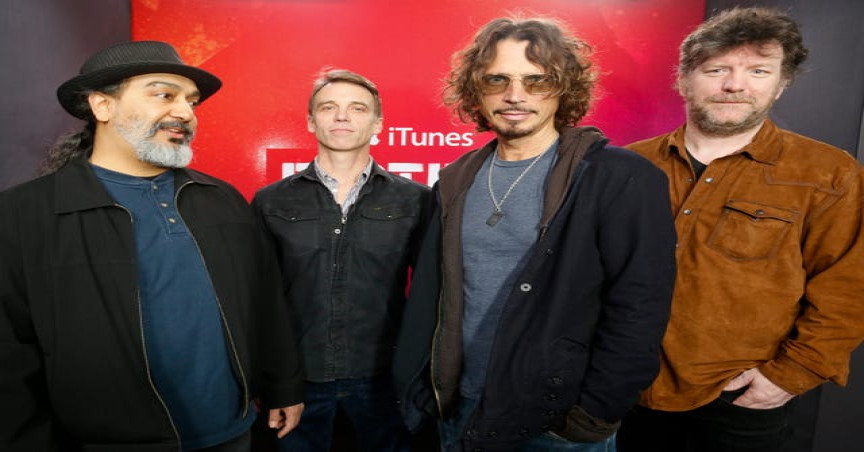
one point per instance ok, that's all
(526, 147)
(707, 148)
(343, 166)
(113, 152)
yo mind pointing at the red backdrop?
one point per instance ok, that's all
(268, 52)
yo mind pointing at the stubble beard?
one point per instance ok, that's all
(701, 116)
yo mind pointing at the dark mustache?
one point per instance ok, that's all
(514, 109)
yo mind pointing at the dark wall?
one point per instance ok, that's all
(827, 103)
(40, 41)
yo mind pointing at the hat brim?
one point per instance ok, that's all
(69, 91)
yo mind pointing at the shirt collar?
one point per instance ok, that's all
(765, 147)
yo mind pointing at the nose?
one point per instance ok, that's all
(515, 92)
(182, 110)
(734, 82)
(341, 114)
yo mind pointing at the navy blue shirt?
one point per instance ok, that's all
(182, 325)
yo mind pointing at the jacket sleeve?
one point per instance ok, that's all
(831, 323)
(636, 239)
(411, 376)
(282, 373)
(25, 414)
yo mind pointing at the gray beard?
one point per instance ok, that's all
(163, 155)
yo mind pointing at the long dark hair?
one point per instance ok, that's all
(80, 142)
(550, 45)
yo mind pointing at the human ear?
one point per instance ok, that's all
(102, 105)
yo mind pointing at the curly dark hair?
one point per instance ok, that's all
(736, 27)
(79, 142)
(550, 46)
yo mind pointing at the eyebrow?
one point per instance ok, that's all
(175, 86)
(353, 102)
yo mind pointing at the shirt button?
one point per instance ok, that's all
(687, 211)
(172, 221)
(155, 187)
(337, 231)
(708, 180)
(163, 204)
(525, 287)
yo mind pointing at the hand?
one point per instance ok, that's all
(761, 394)
(285, 419)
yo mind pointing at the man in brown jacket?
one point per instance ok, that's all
(769, 298)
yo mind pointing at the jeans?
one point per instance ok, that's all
(369, 404)
(242, 443)
(451, 432)
(719, 426)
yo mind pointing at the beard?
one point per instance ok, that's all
(700, 114)
(510, 131)
(709, 125)
(177, 153)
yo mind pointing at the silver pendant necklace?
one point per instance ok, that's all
(497, 213)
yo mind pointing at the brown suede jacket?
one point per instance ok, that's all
(770, 266)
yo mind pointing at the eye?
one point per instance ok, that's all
(358, 108)
(326, 107)
(538, 83)
(165, 95)
(496, 79)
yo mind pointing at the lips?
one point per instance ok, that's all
(513, 114)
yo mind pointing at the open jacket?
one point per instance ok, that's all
(345, 275)
(579, 334)
(73, 369)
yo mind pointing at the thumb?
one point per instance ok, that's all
(743, 379)
(274, 419)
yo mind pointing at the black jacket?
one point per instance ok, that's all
(579, 336)
(73, 371)
(345, 277)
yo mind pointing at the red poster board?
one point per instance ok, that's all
(268, 52)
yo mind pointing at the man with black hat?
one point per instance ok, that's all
(139, 301)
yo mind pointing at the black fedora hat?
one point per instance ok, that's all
(121, 61)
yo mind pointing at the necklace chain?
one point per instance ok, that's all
(497, 213)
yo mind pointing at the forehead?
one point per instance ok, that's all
(767, 53)
(343, 92)
(510, 58)
(173, 80)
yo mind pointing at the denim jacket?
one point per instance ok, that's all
(345, 276)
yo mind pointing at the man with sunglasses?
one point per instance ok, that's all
(550, 261)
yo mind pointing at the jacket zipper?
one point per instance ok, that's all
(144, 346)
(246, 396)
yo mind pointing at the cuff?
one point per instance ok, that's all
(581, 427)
(790, 376)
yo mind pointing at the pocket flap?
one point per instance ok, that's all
(758, 211)
(387, 212)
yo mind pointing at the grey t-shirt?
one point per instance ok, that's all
(492, 256)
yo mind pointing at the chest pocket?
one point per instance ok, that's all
(297, 231)
(749, 231)
(387, 228)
